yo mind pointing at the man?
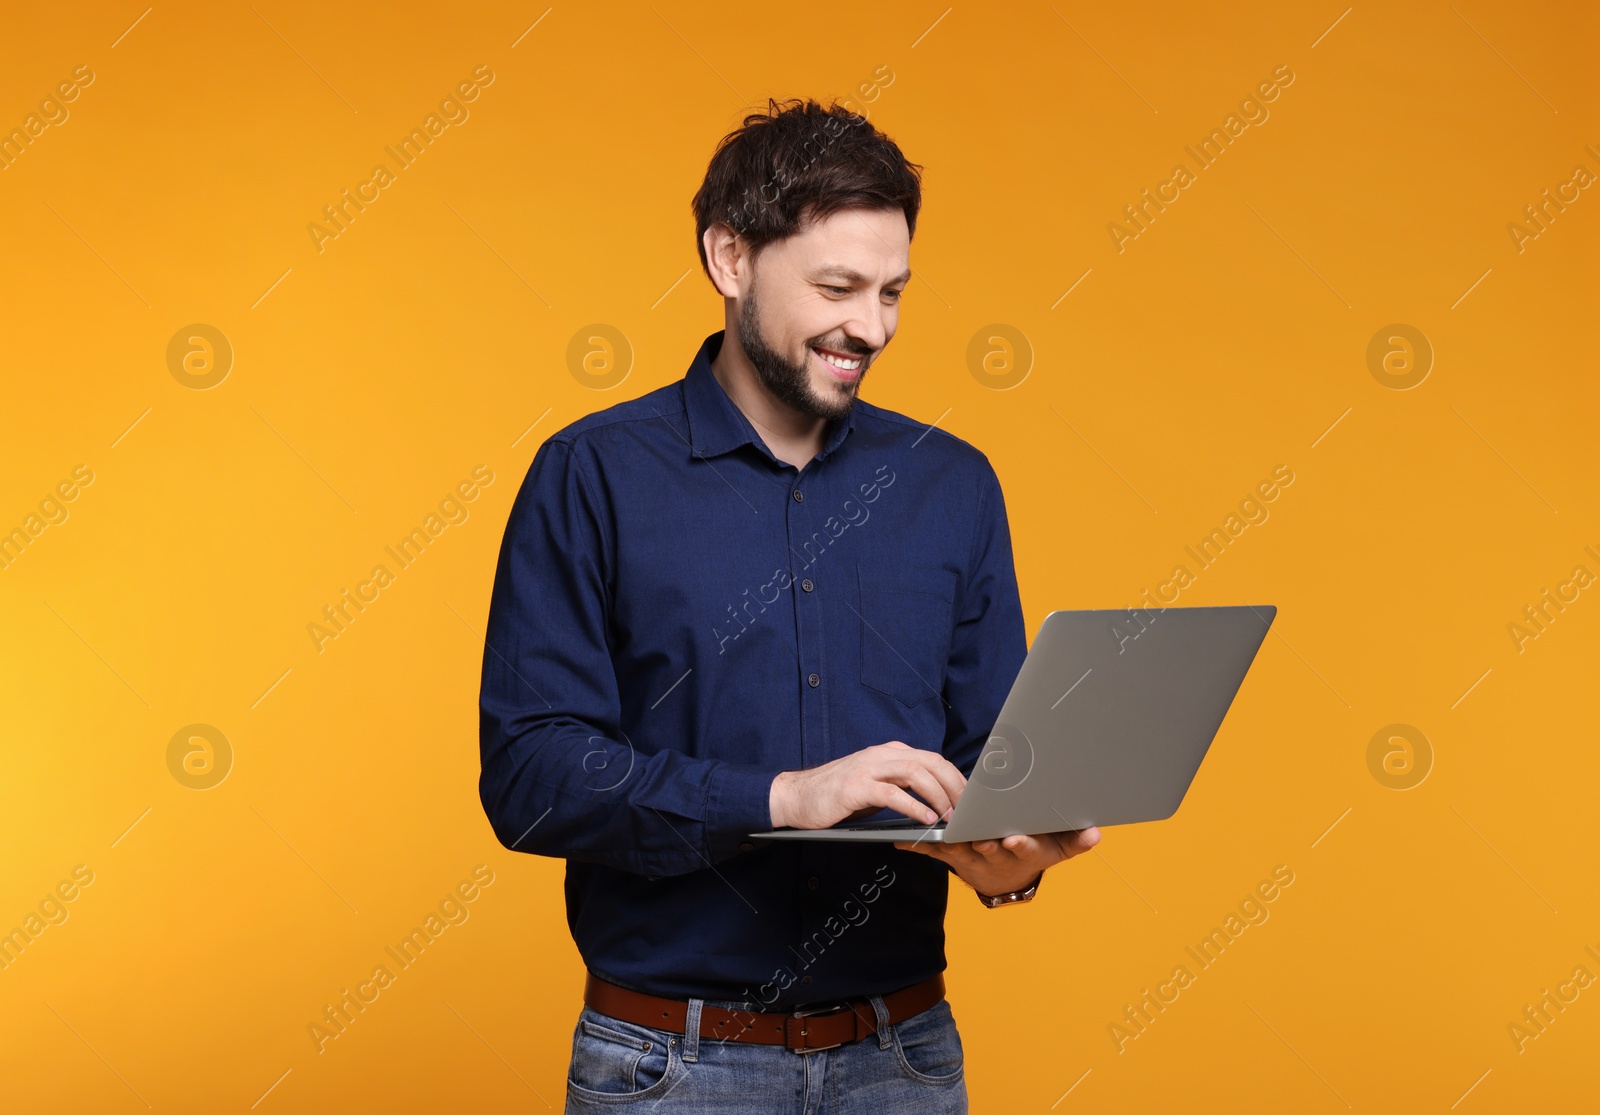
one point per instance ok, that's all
(749, 600)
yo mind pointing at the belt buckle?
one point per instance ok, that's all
(796, 1020)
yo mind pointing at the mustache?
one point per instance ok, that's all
(847, 350)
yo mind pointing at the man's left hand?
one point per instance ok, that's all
(1000, 866)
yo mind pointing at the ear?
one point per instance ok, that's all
(727, 259)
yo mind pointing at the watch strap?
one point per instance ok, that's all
(1010, 897)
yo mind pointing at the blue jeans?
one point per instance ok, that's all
(911, 1068)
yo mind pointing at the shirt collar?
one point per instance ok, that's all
(717, 425)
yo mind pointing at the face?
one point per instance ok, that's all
(821, 301)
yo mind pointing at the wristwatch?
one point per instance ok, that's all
(1024, 895)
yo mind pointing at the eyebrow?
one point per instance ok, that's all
(839, 270)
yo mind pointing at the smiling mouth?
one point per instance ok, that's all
(844, 365)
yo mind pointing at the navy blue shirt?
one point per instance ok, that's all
(677, 616)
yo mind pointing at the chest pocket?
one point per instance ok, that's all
(906, 626)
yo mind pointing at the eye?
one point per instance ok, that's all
(896, 294)
(837, 289)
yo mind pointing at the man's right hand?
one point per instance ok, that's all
(861, 783)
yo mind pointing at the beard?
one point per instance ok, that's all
(789, 382)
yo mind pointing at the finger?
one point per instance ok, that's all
(913, 776)
(1080, 841)
(926, 848)
(1069, 844)
(890, 796)
(948, 774)
(986, 847)
(1040, 851)
(961, 855)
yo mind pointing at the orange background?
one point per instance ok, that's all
(372, 376)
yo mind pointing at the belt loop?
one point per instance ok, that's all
(885, 1033)
(691, 1031)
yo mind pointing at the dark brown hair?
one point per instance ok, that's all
(797, 162)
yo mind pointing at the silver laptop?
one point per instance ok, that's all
(1105, 724)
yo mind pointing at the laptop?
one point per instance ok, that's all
(1106, 724)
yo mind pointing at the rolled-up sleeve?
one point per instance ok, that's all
(559, 777)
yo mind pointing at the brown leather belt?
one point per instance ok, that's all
(800, 1031)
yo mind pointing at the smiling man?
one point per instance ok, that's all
(750, 600)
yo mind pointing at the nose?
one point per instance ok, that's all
(870, 328)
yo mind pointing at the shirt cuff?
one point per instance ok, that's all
(738, 802)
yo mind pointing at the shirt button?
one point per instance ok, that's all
(814, 681)
(813, 883)
(747, 847)
(807, 585)
(799, 496)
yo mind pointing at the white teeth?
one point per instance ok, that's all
(846, 365)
